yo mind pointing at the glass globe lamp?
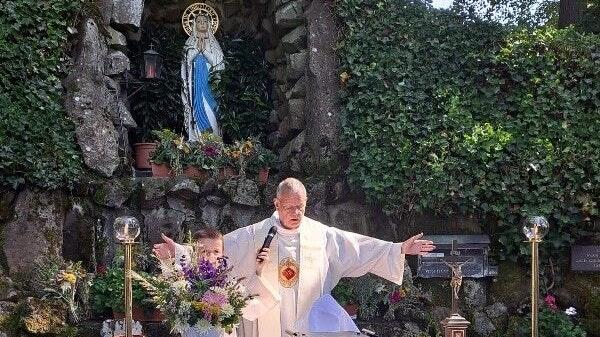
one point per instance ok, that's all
(535, 228)
(127, 228)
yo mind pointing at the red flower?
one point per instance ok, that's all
(396, 295)
(101, 269)
(550, 301)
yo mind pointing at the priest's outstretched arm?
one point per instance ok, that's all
(354, 255)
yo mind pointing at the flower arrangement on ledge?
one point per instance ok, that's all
(55, 302)
(200, 296)
(210, 156)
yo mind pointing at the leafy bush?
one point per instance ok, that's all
(550, 324)
(466, 117)
(106, 293)
(37, 140)
(242, 89)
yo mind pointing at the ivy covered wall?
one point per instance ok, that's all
(469, 117)
(37, 141)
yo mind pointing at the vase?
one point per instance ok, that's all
(142, 153)
(161, 170)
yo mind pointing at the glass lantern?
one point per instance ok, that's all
(127, 228)
(152, 65)
(535, 228)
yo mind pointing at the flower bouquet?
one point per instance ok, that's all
(200, 296)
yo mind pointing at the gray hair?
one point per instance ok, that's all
(290, 186)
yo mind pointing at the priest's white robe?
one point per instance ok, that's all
(325, 255)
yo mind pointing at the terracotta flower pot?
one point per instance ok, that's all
(226, 173)
(161, 170)
(142, 153)
(263, 175)
(195, 172)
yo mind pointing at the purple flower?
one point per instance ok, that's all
(205, 274)
(210, 151)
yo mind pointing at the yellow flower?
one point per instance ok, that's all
(67, 277)
(199, 306)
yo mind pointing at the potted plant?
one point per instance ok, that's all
(106, 295)
(260, 162)
(236, 157)
(169, 156)
(142, 153)
(204, 157)
(344, 294)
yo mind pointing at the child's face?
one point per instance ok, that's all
(211, 249)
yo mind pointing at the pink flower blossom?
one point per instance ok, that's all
(550, 301)
(212, 297)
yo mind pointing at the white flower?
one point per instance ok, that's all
(202, 326)
(571, 311)
(380, 288)
(241, 288)
(227, 310)
(180, 285)
(219, 290)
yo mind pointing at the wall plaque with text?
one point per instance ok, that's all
(472, 251)
(585, 258)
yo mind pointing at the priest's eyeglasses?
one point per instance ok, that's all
(291, 208)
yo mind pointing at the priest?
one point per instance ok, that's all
(308, 259)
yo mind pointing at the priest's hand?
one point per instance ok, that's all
(416, 246)
(261, 260)
(165, 250)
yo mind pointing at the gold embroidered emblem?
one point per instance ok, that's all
(288, 272)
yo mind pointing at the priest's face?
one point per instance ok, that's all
(291, 207)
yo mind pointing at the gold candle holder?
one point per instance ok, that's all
(127, 229)
(535, 228)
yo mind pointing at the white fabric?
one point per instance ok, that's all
(327, 315)
(326, 255)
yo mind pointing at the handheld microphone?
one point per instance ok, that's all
(268, 239)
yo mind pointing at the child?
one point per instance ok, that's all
(209, 245)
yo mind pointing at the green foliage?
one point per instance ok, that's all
(37, 141)
(171, 150)
(344, 293)
(261, 157)
(107, 291)
(242, 89)
(466, 117)
(550, 324)
(157, 105)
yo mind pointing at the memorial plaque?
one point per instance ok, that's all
(585, 258)
(472, 250)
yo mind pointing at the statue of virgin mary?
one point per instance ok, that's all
(202, 57)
